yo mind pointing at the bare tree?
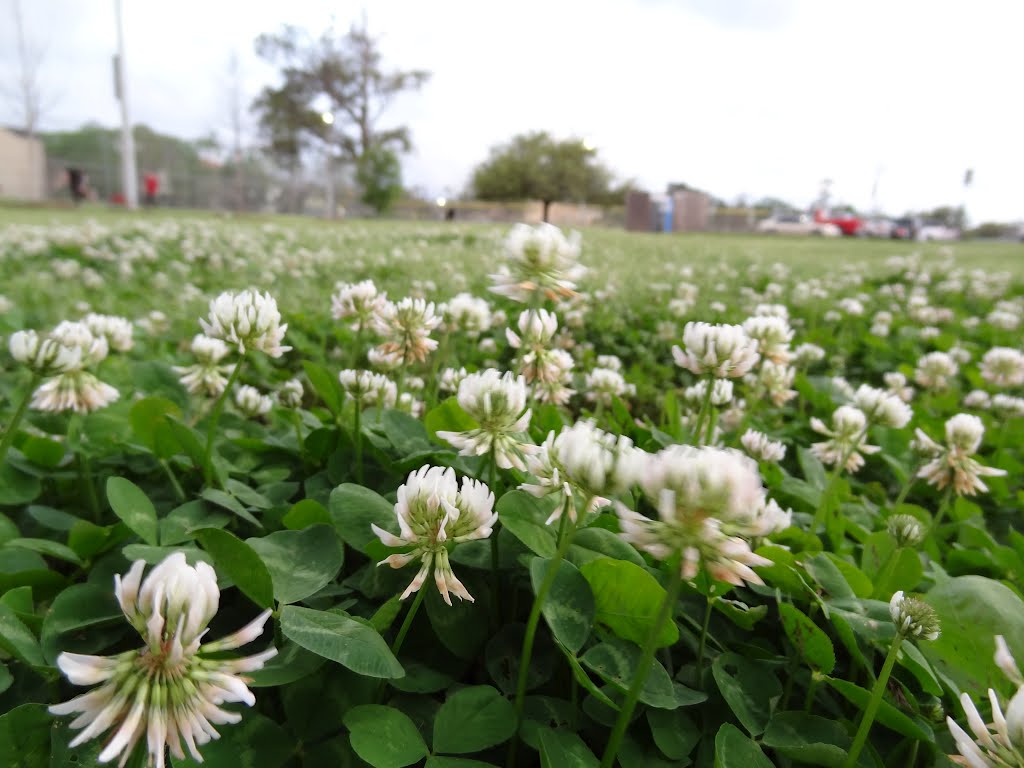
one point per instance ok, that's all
(27, 93)
(235, 106)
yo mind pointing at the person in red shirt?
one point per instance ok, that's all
(152, 184)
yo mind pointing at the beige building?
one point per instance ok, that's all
(22, 166)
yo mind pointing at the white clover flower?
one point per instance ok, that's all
(540, 262)
(851, 306)
(951, 464)
(775, 380)
(721, 392)
(881, 407)
(1008, 405)
(978, 398)
(896, 383)
(848, 439)
(44, 356)
(604, 384)
(537, 327)
(451, 378)
(724, 351)
(807, 354)
(611, 362)
(409, 403)
(155, 323)
(434, 513)
(76, 390)
(762, 447)
(710, 502)
(251, 402)
(585, 460)
(117, 330)
(1003, 319)
(368, 388)
(906, 529)
(467, 313)
(94, 347)
(934, 371)
(359, 302)
(773, 336)
(913, 617)
(1003, 367)
(498, 404)
(290, 394)
(249, 320)
(406, 328)
(170, 691)
(207, 376)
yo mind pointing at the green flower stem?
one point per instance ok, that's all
(873, 703)
(712, 423)
(564, 537)
(179, 492)
(404, 629)
(704, 634)
(19, 414)
(940, 516)
(705, 408)
(644, 667)
(440, 357)
(906, 488)
(492, 464)
(811, 690)
(211, 428)
(357, 348)
(357, 436)
(85, 476)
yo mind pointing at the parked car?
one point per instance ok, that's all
(904, 229)
(796, 224)
(936, 230)
(878, 227)
(849, 223)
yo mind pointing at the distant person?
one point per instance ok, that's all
(77, 184)
(151, 182)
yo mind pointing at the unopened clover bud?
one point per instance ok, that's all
(913, 617)
(906, 529)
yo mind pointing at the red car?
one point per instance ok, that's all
(849, 224)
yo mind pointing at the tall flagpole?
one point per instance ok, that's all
(129, 176)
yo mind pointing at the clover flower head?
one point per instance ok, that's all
(540, 262)
(934, 371)
(537, 327)
(724, 351)
(906, 529)
(773, 336)
(170, 691)
(710, 503)
(882, 407)
(405, 327)
(359, 302)
(290, 394)
(117, 330)
(761, 447)
(76, 390)
(721, 392)
(913, 617)
(584, 460)
(497, 402)
(94, 347)
(604, 384)
(44, 356)
(251, 402)
(952, 463)
(249, 320)
(368, 388)
(434, 513)
(847, 443)
(1003, 367)
(467, 313)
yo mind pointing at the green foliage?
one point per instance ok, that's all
(536, 166)
(379, 174)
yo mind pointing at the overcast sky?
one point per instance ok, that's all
(738, 97)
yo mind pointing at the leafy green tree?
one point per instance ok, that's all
(535, 166)
(379, 174)
(339, 75)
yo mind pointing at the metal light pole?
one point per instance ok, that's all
(330, 205)
(129, 176)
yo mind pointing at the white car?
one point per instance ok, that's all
(936, 230)
(797, 224)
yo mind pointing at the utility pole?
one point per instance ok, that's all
(129, 176)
